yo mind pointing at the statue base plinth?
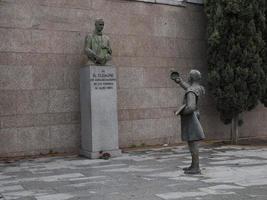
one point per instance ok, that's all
(99, 115)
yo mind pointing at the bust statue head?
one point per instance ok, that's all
(99, 26)
(194, 76)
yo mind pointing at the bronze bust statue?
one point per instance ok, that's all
(97, 46)
(191, 129)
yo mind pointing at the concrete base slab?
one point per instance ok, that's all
(228, 172)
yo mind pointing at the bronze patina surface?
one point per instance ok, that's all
(191, 129)
(97, 46)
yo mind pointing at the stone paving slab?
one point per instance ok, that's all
(228, 172)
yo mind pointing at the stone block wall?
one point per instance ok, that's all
(41, 51)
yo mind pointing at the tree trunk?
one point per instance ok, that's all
(234, 130)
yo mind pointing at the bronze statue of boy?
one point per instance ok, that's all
(191, 129)
(97, 46)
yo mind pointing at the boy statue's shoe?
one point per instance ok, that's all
(187, 168)
(193, 171)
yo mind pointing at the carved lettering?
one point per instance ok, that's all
(103, 80)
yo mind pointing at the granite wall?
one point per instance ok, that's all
(41, 51)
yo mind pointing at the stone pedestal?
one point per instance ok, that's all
(99, 115)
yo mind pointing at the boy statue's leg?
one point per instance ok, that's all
(194, 168)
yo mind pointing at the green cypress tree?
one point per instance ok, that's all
(264, 97)
(237, 77)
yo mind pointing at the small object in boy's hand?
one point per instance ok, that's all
(175, 75)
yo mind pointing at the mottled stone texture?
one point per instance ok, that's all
(41, 51)
(99, 112)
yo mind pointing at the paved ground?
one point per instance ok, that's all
(228, 172)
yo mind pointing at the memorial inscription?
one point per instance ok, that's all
(103, 80)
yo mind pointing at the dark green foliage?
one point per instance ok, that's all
(237, 77)
(264, 97)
